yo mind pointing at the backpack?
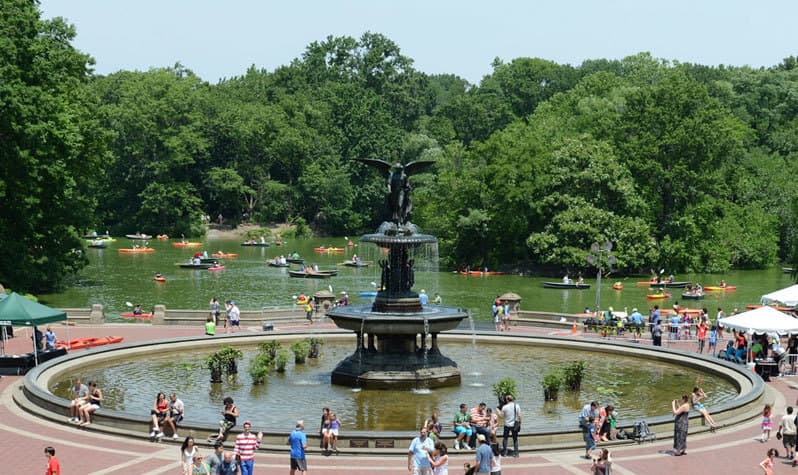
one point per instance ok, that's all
(640, 432)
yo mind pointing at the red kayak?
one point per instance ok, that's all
(81, 343)
(780, 309)
(134, 315)
(617, 286)
(215, 268)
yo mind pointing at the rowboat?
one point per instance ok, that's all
(658, 296)
(134, 315)
(98, 244)
(479, 272)
(225, 254)
(563, 285)
(187, 244)
(138, 250)
(329, 249)
(715, 288)
(255, 244)
(690, 296)
(787, 270)
(664, 283)
(277, 264)
(81, 343)
(355, 264)
(185, 265)
(294, 260)
(312, 274)
(138, 236)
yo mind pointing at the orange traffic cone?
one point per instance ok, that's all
(573, 328)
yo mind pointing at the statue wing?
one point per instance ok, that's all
(380, 165)
(417, 166)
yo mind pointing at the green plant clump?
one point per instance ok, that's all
(572, 374)
(551, 383)
(505, 387)
(301, 350)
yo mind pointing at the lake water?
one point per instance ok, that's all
(113, 278)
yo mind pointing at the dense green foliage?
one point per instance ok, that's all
(682, 166)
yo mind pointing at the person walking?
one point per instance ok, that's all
(418, 454)
(484, 455)
(299, 444)
(246, 445)
(680, 425)
(788, 431)
(53, 465)
(512, 425)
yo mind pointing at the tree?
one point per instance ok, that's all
(51, 149)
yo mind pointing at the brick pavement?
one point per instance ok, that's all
(730, 451)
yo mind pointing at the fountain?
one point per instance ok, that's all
(392, 350)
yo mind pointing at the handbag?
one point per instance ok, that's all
(517, 425)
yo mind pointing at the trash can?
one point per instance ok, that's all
(268, 326)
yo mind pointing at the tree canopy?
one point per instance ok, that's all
(680, 165)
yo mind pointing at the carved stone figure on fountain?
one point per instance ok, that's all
(398, 198)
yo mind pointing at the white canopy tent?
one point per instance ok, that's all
(787, 297)
(762, 320)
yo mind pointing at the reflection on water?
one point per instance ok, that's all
(639, 388)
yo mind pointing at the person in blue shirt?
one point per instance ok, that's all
(417, 459)
(49, 339)
(484, 455)
(637, 320)
(423, 297)
(299, 443)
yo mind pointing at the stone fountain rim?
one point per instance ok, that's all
(37, 380)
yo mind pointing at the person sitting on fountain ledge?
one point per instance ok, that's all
(462, 428)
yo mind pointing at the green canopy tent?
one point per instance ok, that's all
(18, 310)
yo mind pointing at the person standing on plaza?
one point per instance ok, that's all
(418, 454)
(246, 445)
(299, 444)
(484, 455)
(511, 413)
(680, 424)
(656, 334)
(439, 460)
(187, 452)
(214, 460)
(234, 315)
(701, 333)
(215, 310)
(49, 339)
(53, 465)
(788, 431)
(589, 411)
(767, 464)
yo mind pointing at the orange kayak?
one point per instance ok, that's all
(133, 315)
(162, 237)
(81, 343)
(187, 244)
(329, 249)
(224, 254)
(138, 250)
(215, 268)
(658, 296)
(159, 279)
(617, 286)
(780, 309)
(714, 288)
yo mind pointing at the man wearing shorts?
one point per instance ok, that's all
(788, 431)
(299, 443)
(80, 393)
(175, 415)
(234, 314)
(418, 454)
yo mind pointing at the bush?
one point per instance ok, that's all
(505, 387)
(551, 383)
(572, 375)
(271, 348)
(280, 360)
(315, 347)
(301, 349)
(259, 368)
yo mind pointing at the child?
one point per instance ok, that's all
(767, 464)
(590, 442)
(767, 424)
(333, 431)
(713, 340)
(496, 459)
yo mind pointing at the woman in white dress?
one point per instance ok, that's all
(439, 459)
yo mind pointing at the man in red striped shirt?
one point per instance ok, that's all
(246, 445)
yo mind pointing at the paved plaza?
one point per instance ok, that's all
(732, 450)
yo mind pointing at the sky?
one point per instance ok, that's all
(221, 39)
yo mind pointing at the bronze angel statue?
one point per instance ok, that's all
(398, 184)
